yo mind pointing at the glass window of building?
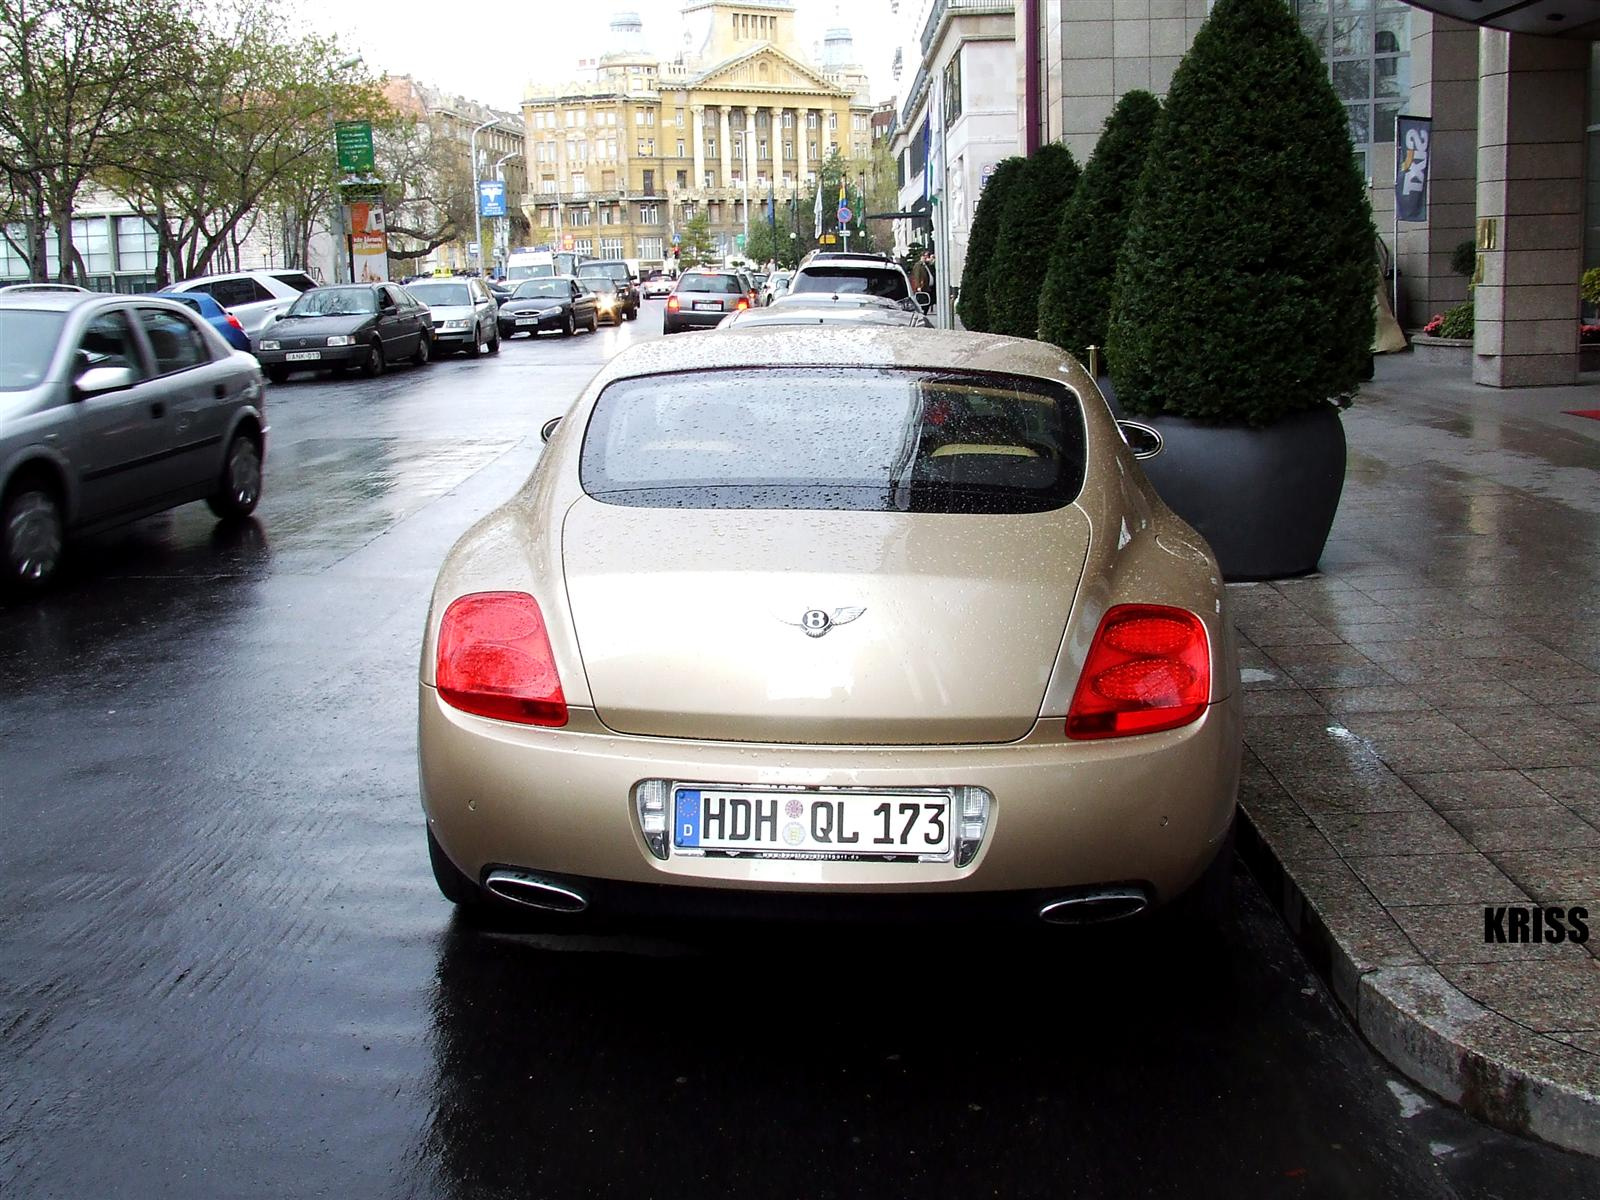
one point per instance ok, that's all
(952, 90)
(584, 245)
(137, 245)
(650, 247)
(1367, 46)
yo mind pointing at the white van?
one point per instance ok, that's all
(542, 264)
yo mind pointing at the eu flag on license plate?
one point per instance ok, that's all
(687, 818)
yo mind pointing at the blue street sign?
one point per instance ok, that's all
(844, 213)
(491, 198)
(676, 239)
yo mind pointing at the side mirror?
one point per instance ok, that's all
(549, 428)
(97, 381)
(924, 301)
(1144, 441)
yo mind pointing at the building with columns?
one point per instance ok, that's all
(1513, 91)
(621, 160)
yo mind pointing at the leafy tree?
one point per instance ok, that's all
(431, 194)
(249, 123)
(696, 246)
(1076, 299)
(1244, 291)
(78, 84)
(1027, 233)
(972, 306)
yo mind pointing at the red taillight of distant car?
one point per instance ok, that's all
(1148, 669)
(672, 304)
(495, 660)
(742, 304)
(234, 321)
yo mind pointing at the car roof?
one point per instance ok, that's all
(52, 301)
(770, 347)
(852, 260)
(822, 314)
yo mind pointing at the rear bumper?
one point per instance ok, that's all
(1150, 810)
(675, 321)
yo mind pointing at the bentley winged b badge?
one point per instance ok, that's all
(817, 621)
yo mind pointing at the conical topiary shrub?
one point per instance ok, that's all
(1075, 304)
(1027, 232)
(1244, 290)
(973, 304)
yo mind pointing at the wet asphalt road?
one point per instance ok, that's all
(225, 970)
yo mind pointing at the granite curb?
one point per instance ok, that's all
(1427, 1028)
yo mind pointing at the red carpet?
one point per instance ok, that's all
(1592, 413)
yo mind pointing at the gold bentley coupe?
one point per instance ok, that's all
(832, 622)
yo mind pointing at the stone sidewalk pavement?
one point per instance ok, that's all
(1423, 742)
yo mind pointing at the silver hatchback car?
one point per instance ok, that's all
(112, 408)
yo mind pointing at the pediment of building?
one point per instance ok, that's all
(765, 68)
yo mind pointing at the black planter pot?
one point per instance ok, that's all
(1264, 498)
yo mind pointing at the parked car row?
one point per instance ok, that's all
(827, 289)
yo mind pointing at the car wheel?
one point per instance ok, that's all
(33, 532)
(278, 374)
(571, 327)
(594, 323)
(239, 490)
(630, 313)
(494, 342)
(373, 367)
(453, 883)
(479, 345)
(424, 351)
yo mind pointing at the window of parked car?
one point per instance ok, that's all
(298, 280)
(231, 293)
(107, 341)
(335, 302)
(27, 343)
(543, 289)
(725, 284)
(851, 280)
(175, 342)
(857, 439)
(441, 294)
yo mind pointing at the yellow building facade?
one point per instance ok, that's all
(617, 165)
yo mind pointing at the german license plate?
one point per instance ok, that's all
(527, 320)
(303, 355)
(846, 825)
(708, 306)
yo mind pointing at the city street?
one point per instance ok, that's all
(225, 969)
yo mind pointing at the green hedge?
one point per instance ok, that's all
(1245, 287)
(973, 304)
(1076, 300)
(1027, 231)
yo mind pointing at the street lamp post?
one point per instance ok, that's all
(477, 207)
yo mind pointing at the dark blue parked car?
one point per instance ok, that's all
(219, 318)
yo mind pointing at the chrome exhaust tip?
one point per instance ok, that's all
(1092, 907)
(532, 892)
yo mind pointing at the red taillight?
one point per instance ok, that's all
(495, 660)
(742, 304)
(1148, 669)
(234, 321)
(672, 304)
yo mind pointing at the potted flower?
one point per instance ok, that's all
(1447, 337)
(1242, 314)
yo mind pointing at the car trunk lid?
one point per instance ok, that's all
(827, 627)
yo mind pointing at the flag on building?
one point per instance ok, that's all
(816, 213)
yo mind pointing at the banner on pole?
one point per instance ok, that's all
(369, 244)
(491, 198)
(1412, 150)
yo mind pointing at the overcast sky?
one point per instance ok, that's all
(490, 52)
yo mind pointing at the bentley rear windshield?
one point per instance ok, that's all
(867, 439)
